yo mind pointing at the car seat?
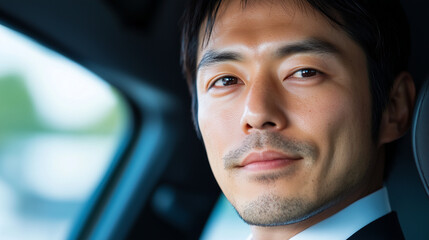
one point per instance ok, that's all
(420, 135)
(408, 193)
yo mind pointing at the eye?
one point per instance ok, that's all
(305, 73)
(225, 81)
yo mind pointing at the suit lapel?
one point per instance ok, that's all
(386, 227)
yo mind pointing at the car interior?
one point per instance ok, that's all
(158, 183)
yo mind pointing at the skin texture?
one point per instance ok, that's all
(277, 81)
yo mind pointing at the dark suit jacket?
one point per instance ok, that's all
(386, 227)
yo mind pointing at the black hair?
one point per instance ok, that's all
(380, 28)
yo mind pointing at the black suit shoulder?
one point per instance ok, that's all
(386, 227)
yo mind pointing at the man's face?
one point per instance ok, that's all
(284, 110)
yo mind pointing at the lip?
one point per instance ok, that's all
(267, 160)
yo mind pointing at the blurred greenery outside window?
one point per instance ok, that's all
(60, 126)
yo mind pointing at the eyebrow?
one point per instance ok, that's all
(311, 45)
(213, 57)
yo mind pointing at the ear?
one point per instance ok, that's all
(396, 117)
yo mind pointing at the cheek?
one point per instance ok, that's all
(219, 125)
(340, 122)
(220, 131)
(332, 111)
(320, 113)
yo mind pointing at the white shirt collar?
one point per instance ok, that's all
(346, 222)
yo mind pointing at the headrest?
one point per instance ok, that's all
(420, 135)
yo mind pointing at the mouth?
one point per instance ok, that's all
(267, 160)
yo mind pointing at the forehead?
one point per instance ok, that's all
(258, 24)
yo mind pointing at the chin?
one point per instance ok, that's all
(272, 210)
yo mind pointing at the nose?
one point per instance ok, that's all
(265, 108)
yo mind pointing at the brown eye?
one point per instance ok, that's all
(225, 81)
(305, 73)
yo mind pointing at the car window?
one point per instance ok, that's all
(60, 126)
(224, 223)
